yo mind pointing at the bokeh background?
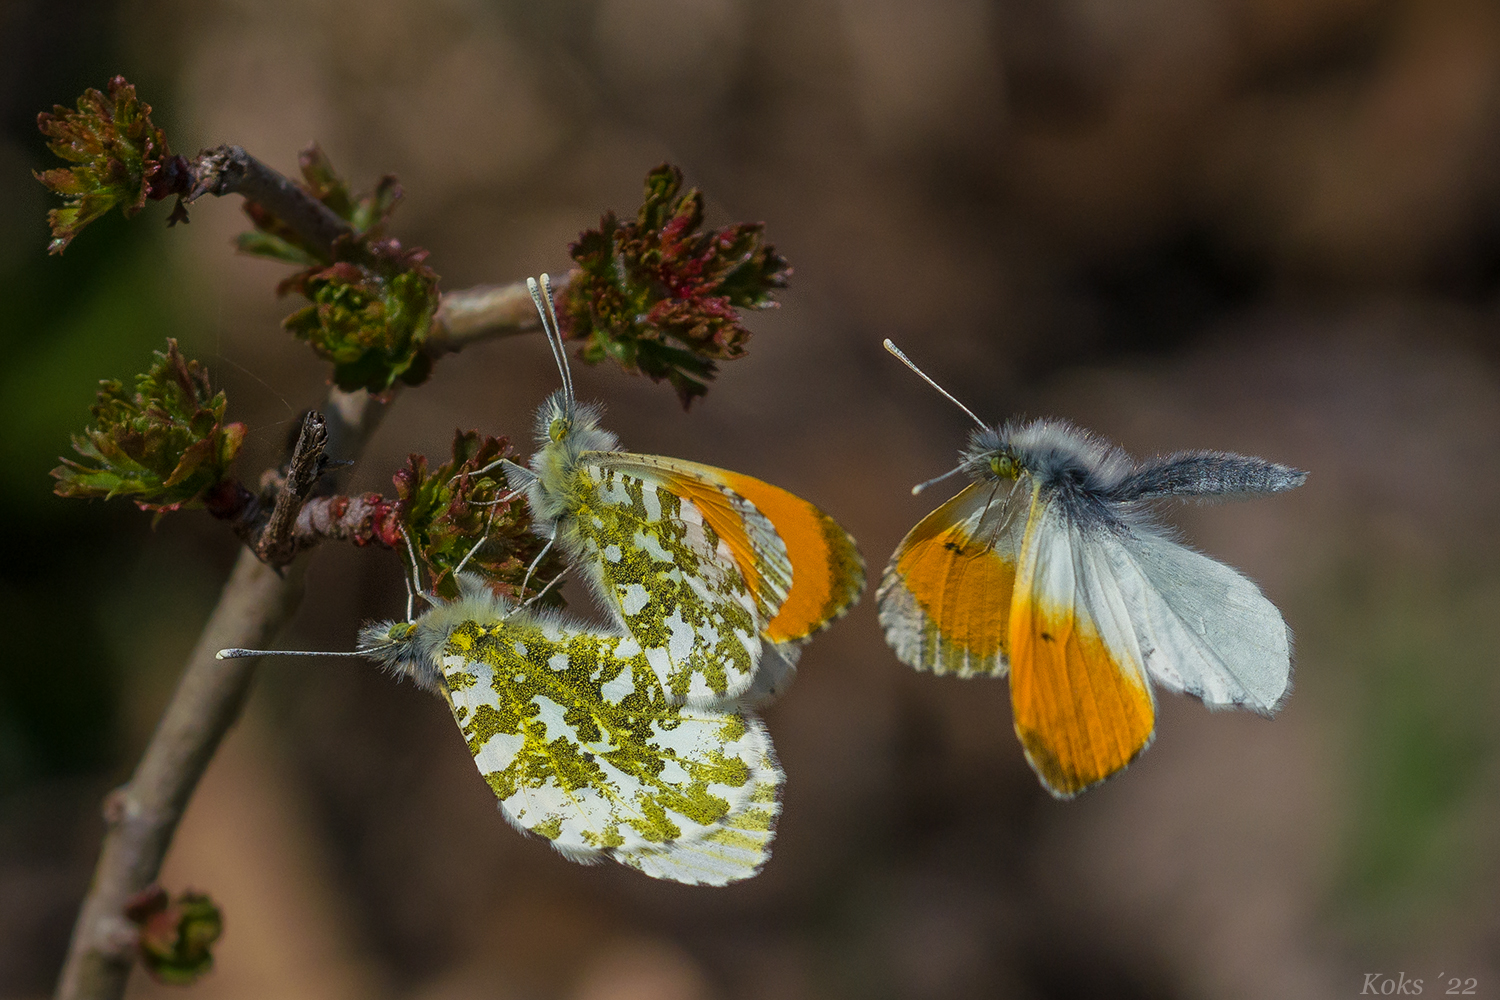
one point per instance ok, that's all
(1269, 226)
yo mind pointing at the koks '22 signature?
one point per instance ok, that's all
(1380, 984)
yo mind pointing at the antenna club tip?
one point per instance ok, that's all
(229, 654)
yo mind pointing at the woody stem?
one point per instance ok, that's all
(141, 816)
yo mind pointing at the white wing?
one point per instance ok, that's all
(573, 733)
(1080, 700)
(1204, 628)
(737, 845)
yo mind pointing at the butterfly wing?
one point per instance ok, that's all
(1204, 628)
(1082, 706)
(574, 733)
(663, 560)
(945, 598)
(806, 573)
(827, 573)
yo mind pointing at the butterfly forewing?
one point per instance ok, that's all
(946, 595)
(749, 535)
(672, 579)
(581, 744)
(826, 573)
(1083, 708)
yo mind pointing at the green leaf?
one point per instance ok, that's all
(466, 501)
(659, 296)
(120, 158)
(371, 309)
(371, 322)
(176, 935)
(165, 446)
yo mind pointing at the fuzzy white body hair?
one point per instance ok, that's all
(1050, 451)
(1097, 482)
(564, 433)
(413, 649)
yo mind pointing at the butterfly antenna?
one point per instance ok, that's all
(541, 296)
(936, 479)
(236, 653)
(557, 332)
(926, 378)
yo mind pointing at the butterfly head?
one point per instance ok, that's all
(401, 648)
(564, 431)
(990, 456)
(1053, 452)
(416, 649)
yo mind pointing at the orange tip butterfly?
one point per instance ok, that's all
(721, 577)
(572, 730)
(1048, 566)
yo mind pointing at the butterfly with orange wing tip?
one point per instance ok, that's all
(569, 726)
(721, 577)
(1049, 566)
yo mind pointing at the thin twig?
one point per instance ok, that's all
(142, 816)
(463, 317)
(231, 170)
(484, 312)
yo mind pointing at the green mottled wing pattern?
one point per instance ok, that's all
(671, 579)
(582, 745)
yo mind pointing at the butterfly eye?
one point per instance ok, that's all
(401, 631)
(559, 428)
(1003, 466)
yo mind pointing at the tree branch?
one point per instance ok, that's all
(231, 170)
(484, 312)
(142, 816)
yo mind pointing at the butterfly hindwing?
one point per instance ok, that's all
(1082, 706)
(945, 599)
(576, 736)
(1204, 627)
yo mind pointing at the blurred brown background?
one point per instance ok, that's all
(1271, 226)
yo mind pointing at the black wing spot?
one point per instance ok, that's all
(1047, 637)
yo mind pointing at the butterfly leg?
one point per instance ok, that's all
(538, 595)
(538, 560)
(414, 583)
(489, 522)
(498, 500)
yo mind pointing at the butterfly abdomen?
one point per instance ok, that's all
(1207, 473)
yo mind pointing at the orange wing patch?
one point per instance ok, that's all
(948, 590)
(828, 573)
(1079, 715)
(729, 524)
(964, 586)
